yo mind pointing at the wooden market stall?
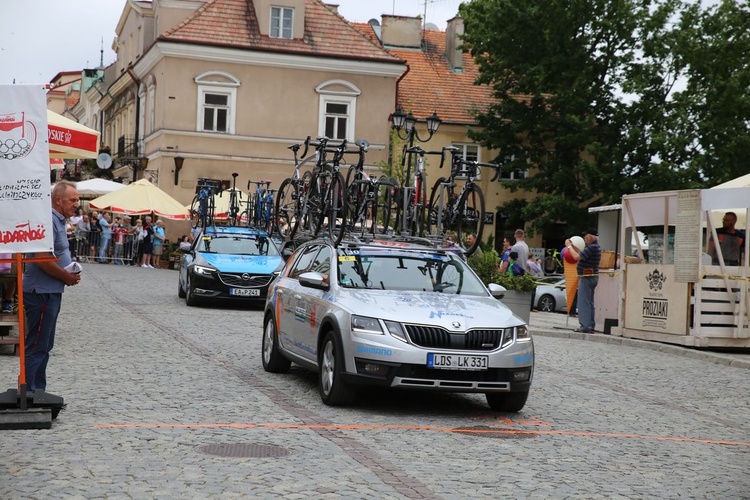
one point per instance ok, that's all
(672, 292)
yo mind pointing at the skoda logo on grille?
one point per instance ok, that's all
(456, 325)
(245, 276)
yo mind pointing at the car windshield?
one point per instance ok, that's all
(386, 269)
(237, 245)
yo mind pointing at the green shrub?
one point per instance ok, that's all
(486, 265)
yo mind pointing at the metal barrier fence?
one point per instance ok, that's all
(91, 246)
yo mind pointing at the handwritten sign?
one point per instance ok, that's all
(25, 191)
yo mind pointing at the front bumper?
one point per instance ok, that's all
(213, 287)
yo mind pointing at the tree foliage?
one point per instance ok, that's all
(600, 98)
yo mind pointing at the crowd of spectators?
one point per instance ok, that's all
(98, 237)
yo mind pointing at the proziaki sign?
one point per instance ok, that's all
(25, 197)
(655, 301)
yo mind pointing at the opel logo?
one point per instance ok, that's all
(245, 276)
(456, 324)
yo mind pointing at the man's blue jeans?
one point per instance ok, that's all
(104, 247)
(586, 286)
(41, 310)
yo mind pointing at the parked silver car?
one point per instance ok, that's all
(393, 313)
(551, 297)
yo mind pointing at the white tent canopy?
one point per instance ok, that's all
(97, 187)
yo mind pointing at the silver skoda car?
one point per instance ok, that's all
(394, 313)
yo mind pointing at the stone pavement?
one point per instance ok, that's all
(561, 326)
(169, 401)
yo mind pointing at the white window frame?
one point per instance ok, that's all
(151, 108)
(513, 175)
(463, 146)
(280, 28)
(331, 92)
(205, 86)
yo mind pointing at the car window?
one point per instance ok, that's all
(237, 245)
(304, 262)
(417, 271)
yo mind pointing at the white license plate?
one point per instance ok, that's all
(456, 361)
(244, 292)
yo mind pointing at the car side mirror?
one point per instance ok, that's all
(314, 280)
(496, 290)
(286, 253)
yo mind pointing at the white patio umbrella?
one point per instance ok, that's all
(97, 187)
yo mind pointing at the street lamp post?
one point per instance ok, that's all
(407, 123)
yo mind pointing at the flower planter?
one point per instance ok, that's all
(519, 303)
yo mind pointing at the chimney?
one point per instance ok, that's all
(333, 7)
(402, 31)
(453, 43)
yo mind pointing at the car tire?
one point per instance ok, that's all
(273, 361)
(546, 303)
(190, 298)
(333, 390)
(180, 291)
(507, 401)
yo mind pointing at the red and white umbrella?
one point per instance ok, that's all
(69, 139)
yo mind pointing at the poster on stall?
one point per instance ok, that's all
(25, 191)
(654, 300)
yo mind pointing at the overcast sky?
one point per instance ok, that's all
(40, 38)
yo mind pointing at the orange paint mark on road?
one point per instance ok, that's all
(429, 428)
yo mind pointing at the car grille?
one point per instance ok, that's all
(254, 280)
(473, 340)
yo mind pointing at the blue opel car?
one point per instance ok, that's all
(229, 263)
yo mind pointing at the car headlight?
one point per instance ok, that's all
(396, 330)
(363, 324)
(522, 333)
(205, 271)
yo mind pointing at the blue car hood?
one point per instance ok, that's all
(228, 263)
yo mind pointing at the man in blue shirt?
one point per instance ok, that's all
(43, 286)
(588, 277)
(106, 226)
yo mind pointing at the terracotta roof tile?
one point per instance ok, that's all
(431, 85)
(232, 23)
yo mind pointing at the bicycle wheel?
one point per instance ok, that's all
(285, 212)
(438, 214)
(317, 202)
(337, 209)
(450, 279)
(550, 266)
(356, 202)
(417, 205)
(470, 216)
(385, 205)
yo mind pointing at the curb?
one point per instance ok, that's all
(686, 352)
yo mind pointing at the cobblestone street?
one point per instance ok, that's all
(167, 401)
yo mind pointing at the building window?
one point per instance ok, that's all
(507, 174)
(281, 22)
(338, 109)
(215, 112)
(217, 102)
(469, 152)
(336, 120)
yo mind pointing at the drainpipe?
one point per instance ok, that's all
(137, 118)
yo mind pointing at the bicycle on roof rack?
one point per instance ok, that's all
(203, 207)
(371, 204)
(259, 211)
(234, 209)
(460, 212)
(325, 200)
(413, 198)
(288, 208)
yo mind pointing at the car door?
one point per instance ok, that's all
(292, 300)
(311, 304)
